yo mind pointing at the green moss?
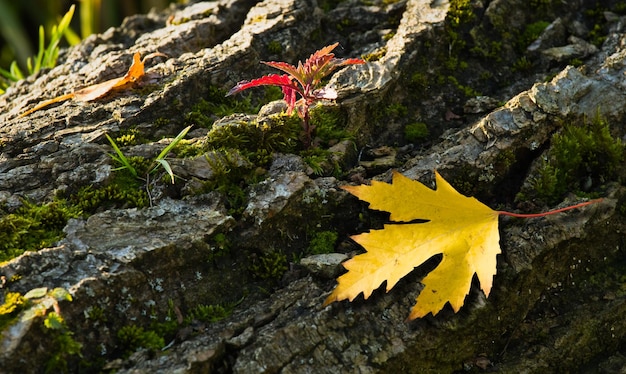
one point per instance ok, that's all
(272, 93)
(329, 123)
(466, 90)
(530, 34)
(322, 242)
(620, 7)
(131, 338)
(127, 138)
(216, 105)
(238, 151)
(415, 132)
(161, 122)
(208, 313)
(13, 304)
(487, 49)
(124, 191)
(396, 110)
(274, 47)
(33, 227)
(146, 89)
(257, 141)
(465, 181)
(318, 160)
(576, 62)
(328, 5)
(504, 160)
(597, 35)
(232, 173)
(344, 24)
(96, 314)
(376, 55)
(59, 342)
(187, 148)
(453, 63)
(523, 64)
(581, 159)
(220, 246)
(269, 266)
(419, 80)
(460, 12)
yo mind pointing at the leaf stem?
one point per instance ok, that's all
(535, 215)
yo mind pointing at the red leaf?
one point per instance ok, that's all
(321, 53)
(302, 79)
(351, 61)
(287, 68)
(271, 80)
(289, 95)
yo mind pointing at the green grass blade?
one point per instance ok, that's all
(88, 18)
(12, 30)
(120, 157)
(8, 75)
(167, 167)
(177, 139)
(29, 65)
(71, 36)
(67, 18)
(32, 69)
(16, 71)
(51, 53)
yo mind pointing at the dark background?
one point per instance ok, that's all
(20, 21)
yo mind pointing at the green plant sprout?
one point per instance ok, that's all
(121, 158)
(46, 56)
(158, 161)
(36, 303)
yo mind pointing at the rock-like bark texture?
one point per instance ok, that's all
(558, 302)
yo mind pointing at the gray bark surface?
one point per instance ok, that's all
(558, 301)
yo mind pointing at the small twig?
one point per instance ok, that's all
(535, 215)
(148, 189)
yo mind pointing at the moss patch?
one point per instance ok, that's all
(123, 192)
(269, 266)
(329, 122)
(322, 242)
(14, 303)
(530, 34)
(217, 105)
(132, 337)
(415, 132)
(582, 158)
(33, 227)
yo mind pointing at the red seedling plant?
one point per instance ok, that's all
(304, 80)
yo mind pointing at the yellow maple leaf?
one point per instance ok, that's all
(462, 229)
